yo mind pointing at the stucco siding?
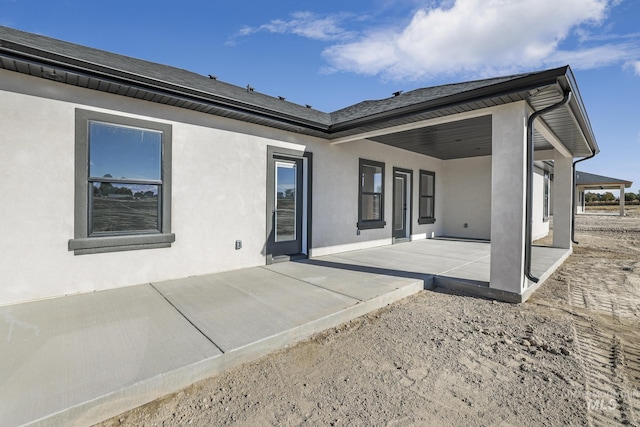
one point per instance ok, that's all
(218, 193)
(335, 190)
(467, 190)
(540, 226)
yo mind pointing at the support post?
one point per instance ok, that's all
(508, 198)
(621, 199)
(562, 206)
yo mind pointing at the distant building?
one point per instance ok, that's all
(588, 181)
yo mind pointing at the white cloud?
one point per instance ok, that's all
(636, 67)
(304, 24)
(595, 57)
(481, 37)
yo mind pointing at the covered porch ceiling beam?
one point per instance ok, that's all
(546, 132)
(412, 126)
(544, 155)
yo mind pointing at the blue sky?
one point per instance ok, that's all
(331, 54)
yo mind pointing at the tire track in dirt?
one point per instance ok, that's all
(607, 324)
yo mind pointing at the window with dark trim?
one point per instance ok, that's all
(123, 184)
(371, 195)
(426, 202)
(545, 195)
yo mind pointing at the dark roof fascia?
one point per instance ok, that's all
(79, 67)
(521, 84)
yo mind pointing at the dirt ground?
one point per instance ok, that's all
(570, 355)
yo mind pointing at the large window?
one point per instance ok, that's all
(123, 184)
(371, 195)
(426, 206)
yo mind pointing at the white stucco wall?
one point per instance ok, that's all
(218, 193)
(467, 191)
(335, 189)
(540, 226)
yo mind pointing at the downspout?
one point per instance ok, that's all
(530, 158)
(573, 195)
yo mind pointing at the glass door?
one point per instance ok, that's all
(401, 203)
(285, 206)
(286, 197)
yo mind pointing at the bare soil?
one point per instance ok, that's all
(570, 355)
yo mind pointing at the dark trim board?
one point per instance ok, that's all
(307, 157)
(378, 223)
(83, 241)
(421, 219)
(409, 202)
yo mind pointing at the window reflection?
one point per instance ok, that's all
(124, 207)
(126, 179)
(285, 215)
(123, 152)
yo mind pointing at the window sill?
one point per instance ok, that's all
(426, 220)
(367, 225)
(96, 245)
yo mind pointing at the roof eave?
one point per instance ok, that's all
(522, 84)
(567, 82)
(75, 66)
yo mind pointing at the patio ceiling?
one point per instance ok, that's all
(472, 137)
(453, 140)
(464, 138)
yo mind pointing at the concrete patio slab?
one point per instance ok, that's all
(544, 259)
(80, 359)
(463, 250)
(478, 271)
(237, 308)
(350, 279)
(60, 353)
(404, 261)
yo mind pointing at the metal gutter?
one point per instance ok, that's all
(530, 157)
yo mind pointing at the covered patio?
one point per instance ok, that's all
(500, 148)
(80, 359)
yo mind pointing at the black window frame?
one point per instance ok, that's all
(86, 242)
(377, 223)
(426, 217)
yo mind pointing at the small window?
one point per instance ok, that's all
(123, 184)
(426, 207)
(545, 201)
(371, 195)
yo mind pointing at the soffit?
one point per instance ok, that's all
(464, 138)
(472, 137)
